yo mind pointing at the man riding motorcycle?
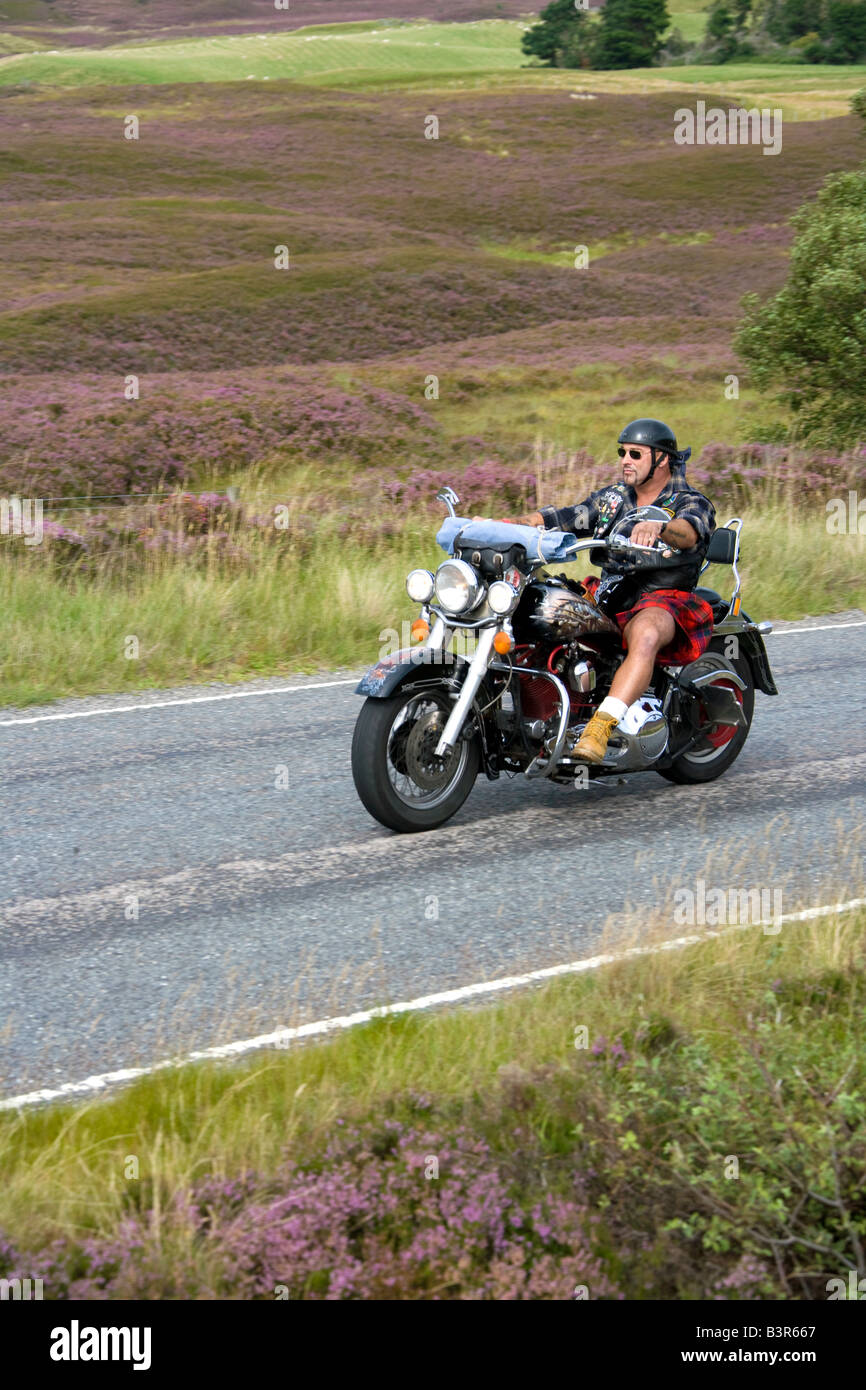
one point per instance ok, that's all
(657, 612)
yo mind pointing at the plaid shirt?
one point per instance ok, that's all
(596, 515)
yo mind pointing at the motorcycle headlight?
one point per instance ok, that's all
(457, 586)
(502, 597)
(419, 586)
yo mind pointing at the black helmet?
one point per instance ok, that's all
(651, 434)
(654, 434)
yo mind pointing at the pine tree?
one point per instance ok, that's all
(630, 33)
(558, 27)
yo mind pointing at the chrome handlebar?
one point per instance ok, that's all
(617, 543)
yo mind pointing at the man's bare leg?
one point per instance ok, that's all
(645, 635)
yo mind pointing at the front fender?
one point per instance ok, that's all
(423, 664)
(390, 672)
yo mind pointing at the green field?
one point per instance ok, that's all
(334, 55)
(407, 53)
(13, 43)
(689, 18)
(273, 616)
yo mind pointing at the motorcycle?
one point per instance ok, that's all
(544, 657)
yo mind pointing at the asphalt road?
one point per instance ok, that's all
(159, 891)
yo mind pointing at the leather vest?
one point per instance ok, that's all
(621, 585)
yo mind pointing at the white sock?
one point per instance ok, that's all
(611, 705)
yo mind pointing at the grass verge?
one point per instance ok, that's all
(307, 602)
(697, 1115)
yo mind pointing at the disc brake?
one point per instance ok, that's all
(422, 765)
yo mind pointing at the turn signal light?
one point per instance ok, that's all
(502, 643)
(420, 629)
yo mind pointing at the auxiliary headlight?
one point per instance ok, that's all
(458, 587)
(501, 596)
(419, 586)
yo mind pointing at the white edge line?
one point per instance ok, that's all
(281, 1036)
(187, 700)
(819, 627)
(294, 689)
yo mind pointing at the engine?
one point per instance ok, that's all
(637, 742)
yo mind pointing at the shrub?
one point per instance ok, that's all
(390, 1212)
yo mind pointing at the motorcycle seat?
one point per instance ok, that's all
(718, 604)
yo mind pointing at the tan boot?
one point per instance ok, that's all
(593, 740)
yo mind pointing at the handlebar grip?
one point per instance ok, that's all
(668, 555)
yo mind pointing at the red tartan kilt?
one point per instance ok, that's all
(693, 617)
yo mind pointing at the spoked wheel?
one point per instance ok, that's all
(397, 773)
(720, 744)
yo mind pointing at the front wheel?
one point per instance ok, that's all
(397, 774)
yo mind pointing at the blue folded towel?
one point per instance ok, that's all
(550, 546)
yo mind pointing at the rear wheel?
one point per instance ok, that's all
(397, 774)
(720, 744)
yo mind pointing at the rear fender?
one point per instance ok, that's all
(751, 645)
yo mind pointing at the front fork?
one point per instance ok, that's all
(440, 636)
(469, 689)
(478, 667)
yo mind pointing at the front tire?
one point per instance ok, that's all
(397, 776)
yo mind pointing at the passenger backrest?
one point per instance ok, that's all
(722, 547)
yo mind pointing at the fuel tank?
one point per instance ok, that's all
(557, 610)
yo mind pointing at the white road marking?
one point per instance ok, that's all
(294, 689)
(280, 1036)
(187, 700)
(823, 627)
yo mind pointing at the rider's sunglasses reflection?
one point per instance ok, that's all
(632, 453)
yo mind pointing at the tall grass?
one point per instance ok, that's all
(308, 599)
(290, 609)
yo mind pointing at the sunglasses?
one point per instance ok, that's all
(632, 453)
